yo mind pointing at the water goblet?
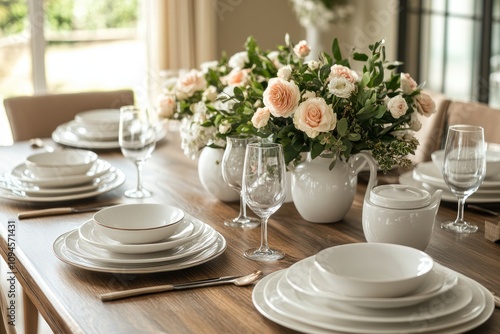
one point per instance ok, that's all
(464, 168)
(264, 188)
(232, 172)
(137, 139)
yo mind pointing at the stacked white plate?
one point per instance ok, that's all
(301, 299)
(193, 243)
(21, 184)
(426, 175)
(93, 129)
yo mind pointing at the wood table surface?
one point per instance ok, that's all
(67, 297)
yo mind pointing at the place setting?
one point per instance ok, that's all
(372, 288)
(61, 175)
(94, 129)
(139, 238)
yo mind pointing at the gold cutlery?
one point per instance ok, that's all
(236, 280)
(60, 211)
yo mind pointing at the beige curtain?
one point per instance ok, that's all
(186, 33)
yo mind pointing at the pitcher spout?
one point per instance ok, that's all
(436, 198)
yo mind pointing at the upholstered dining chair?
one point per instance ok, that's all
(431, 134)
(39, 115)
(475, 113)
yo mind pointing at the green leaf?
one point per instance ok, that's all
(359, 56)
(354, 137)
(342, 127)
(337, 55)
(316, 149)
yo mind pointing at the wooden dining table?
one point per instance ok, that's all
(67, 297)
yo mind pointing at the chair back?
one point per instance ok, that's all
(39, 115)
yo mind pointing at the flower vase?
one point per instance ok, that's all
(210, 174)
(322, 195)
(313, 37)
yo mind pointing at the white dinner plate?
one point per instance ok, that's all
(298, 275)
(63, 254)
(428, 172)
(104, 188)
(189, 230)
(435, 307)
(8, 183)
(447, 196)
(78, 247)
(22, 174)
(270, 304)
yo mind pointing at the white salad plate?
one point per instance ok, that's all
(447, 196)
(21, 173)
(272, 305)
(63, 254)
(103, 118)
(188, 231)
(440, 281)
(8, 183)
(92, 132)
(82, 249)
(103, 188)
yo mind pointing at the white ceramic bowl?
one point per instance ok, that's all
(138, 223)
(61, 163)
(492, 161)
(99, 119)
(375, 270)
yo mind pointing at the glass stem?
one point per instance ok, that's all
(139, 172)
(264, 245)
(460, 214)
(243, 206)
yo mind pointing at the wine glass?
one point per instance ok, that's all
(137, 142)
(463, 169)
(264, 187)
(232, 171)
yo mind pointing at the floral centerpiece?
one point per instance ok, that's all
(316, 106)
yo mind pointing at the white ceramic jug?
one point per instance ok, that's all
(400, 214)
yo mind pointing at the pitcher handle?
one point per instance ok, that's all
(373, 169)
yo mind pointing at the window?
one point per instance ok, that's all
(78, 45)
(454, 46)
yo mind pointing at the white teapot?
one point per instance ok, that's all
(400, 214)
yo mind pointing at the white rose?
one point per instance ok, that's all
(224, 127)
(408, 85)
(189, 83)
(261, 117)
(205, 66)
(238, 60)
(210, 94)
(313, 64)
(166, 105)
(308, 94)
(285, 72)
(274, 58)
(397, 106)
(314, 116)
(341, 87)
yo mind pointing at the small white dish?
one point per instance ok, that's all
(188, 231)
(138, 223)
(61, 163)
(89, 133)
(373, 269)
(99, 119)
(99, 168)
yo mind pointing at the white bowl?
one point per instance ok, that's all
(99, 119)
(492, 161)
(138, 223)
(374, 270)
(66, 162)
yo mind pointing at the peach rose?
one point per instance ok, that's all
(189, 83)
(408, 85)
(314, 116)
(397, 106)
(237, 77)
(167, 105)
(281, 97)
(425, 104)
(261, 118)
(341, 71)
(302, 50)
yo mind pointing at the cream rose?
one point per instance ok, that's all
(285, 72)
(415, 123)
(425, 104)
(166, 105)
(408, 85)
(261, 117)
(301, 49)
(281, 97)
(189, 83)
(210, 94)
(274, 58)
(224, 127)
(237, 77)
(314, 116)
(308, 94)
(340, 71)
(238, 60)
(397, 106)
(341, 87)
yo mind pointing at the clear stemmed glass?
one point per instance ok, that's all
(264, 187)
(463, 169)
(137, 142)
(232, 172)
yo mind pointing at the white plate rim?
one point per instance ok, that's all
(120, 179)
(69, 258)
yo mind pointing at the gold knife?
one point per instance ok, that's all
(59, 211)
